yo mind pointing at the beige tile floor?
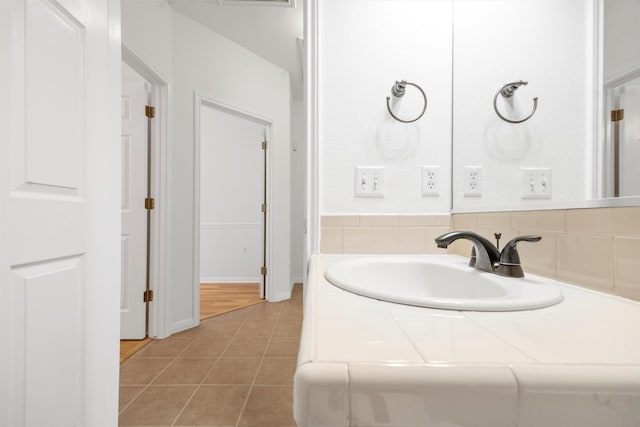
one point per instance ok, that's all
(235, 369)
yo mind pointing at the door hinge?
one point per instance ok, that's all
(265, 144)
(147, 296)
(149, 111)
(617, 115)
(149, 203)
(263, 207)
(263, 270)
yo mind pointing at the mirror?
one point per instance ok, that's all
(463, 56)
(546, 161)
(620, 174)
(569, 153)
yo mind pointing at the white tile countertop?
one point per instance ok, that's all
(364, 362)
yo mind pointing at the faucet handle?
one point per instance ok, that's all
(509, 264)
(472, 258)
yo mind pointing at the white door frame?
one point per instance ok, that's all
(200, 101)
(158, 319)
(312, 177)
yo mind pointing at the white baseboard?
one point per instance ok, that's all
(181, 326)
(296, 280)
(282, 296)
(255, 279)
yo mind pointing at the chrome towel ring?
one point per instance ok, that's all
(507, 91)
(398, 90)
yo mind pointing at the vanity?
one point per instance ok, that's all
(368, 362)
(379, 170)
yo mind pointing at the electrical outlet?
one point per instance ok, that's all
(430, 181)
(369, 181)
(536, 183)
(472, 181)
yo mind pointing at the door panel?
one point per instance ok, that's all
(54, 95)
(51, 293)
(134, 216)
(48, 136)
(126, 172)
(47, 213)
(58, 211)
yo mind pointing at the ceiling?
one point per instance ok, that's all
(264, 27)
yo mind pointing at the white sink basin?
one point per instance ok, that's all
(440, 282)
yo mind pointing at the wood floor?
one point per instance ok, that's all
(129, 347)
(218, 298)
(215, 299)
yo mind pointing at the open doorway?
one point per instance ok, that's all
(233, 209)
(622, 133)
(143, 203)
(135, 182)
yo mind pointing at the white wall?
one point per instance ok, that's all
(550, 44)
(231, 192)
(195, 59)
(298, 161)
(218, 69)
(364, 47)
(147, 29)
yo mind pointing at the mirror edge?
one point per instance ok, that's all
(598, 139)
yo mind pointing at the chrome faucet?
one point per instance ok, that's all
(486, 257)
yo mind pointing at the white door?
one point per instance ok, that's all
(231, 197)
(59, 216)
(630, 139)
(134, 214)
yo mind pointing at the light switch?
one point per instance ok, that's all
(369, 181)
(535, 183)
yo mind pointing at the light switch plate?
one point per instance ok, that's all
(369, 181)
(535, 183)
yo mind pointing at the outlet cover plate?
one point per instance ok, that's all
(430, 179)
(472, 181)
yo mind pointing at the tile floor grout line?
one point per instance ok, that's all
(131, 401)
(206, 375)
(185, 405)
(175, 358)
(146, 386)
(244, 406)
(254, 315)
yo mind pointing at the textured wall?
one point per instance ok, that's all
(364, 47)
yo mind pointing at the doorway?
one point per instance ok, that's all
(144, 181)
(232, 158)
(135, 234)
(622, 133)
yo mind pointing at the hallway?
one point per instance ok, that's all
(235, 369)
